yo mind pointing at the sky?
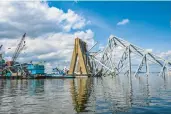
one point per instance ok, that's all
(52, 26)
(147, 25)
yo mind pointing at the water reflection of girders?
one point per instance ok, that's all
(123, 95)
(109, 61)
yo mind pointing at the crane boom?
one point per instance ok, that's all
(1, 47)
(19, 48)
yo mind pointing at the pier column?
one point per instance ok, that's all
(79, 59)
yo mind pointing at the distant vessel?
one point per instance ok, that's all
(56, 72)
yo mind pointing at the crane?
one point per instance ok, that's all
(1, 53)
(19, 48)
(1, 47)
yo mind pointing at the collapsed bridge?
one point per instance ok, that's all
(118, 57)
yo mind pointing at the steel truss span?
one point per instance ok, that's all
(122, 57)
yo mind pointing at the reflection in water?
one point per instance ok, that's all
(120, 94)
(36, 86)
(80, 91)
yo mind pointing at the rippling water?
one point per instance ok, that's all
(116, 95)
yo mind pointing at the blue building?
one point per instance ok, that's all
(36, 69)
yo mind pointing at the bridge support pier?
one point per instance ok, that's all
(79, 60)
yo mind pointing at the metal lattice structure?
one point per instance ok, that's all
(120, 56)
(19, 48)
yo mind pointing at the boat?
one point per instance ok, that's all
(58, 73)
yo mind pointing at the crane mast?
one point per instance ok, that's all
(1, 47)
(1, 53)
(19, 48)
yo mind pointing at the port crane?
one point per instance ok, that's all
(1, 53)
(19, 48)
(16, 68)
(1, 47)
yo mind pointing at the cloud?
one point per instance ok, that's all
(123, 22)
(166, 55)
(36, 18)
(149, 50)
(50, 31)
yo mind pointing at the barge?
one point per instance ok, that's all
(38, 77)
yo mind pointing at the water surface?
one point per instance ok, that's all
(107, 95)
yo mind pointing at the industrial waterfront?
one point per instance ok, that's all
(107, 95)
(137, 81)
(77, 58)
(91, 85)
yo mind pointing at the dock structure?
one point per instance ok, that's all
(80, 64)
